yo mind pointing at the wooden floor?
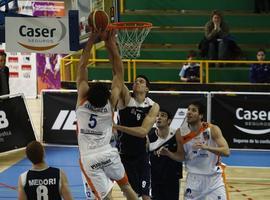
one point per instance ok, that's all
(244, 183)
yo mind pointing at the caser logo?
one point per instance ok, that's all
(42, 38)
(3, 120)
(252, 115)
(66, 120)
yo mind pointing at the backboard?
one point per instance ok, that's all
(84, 8)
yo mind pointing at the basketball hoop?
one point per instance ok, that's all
(130, 36)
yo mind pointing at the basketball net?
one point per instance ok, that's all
(130, 36)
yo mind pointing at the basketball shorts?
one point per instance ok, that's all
(202, 187)
(138, 172)
(100, 170)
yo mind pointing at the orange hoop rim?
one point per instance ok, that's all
(130, 25)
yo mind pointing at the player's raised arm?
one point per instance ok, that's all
(117, 67)
(82, 71)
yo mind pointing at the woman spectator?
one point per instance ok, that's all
(216, 34)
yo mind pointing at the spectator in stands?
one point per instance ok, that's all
(260, 72)
(217, 33)
(261, 6)
(4, 74)
(190, 72)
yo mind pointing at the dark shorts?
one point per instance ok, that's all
(138, 172)
(164, 191)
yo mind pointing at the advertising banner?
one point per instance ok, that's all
(48, 8)
(37, 34)
(243, 118)
(16, 130)
(48, 65)
(48, 71)
(22, 73)
(59, 117)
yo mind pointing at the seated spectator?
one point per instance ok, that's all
(190, 72)
(260, 72)
(217, 43)
(261, 6)
(217, 32)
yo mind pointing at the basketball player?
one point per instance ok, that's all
(137, 114)
(201, 147)
(100, 162)
(42, 181)
(165, 172)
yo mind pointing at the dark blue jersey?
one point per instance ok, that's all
(42, 184)
(133, 115)
(162, 167)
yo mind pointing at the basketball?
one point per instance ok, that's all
(98, 20)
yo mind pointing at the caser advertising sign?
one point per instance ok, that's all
(243, 118)
(37, 34)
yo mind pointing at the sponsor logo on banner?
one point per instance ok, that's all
(178, 118)
(66, 120)
(26, 75)
(13, 74)
(13, 59)
(40, 34)
(26, 67)
(3, 120)
(256, 122)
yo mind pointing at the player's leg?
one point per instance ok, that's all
(218, 193)
(194, 187)
(116, 172)
(98, 182)
(217, 188)
(144, 171)
(132, 174)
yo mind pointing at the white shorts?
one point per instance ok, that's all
(99, 170)
(205, 187)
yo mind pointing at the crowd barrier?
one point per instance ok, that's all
(16, 128)
(244, 118)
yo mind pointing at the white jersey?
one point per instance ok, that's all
(94, 127)
(199, 161)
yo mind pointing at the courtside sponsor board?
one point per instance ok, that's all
(243, 118)
(37, 34)
(16, 129)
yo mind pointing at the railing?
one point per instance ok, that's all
(69, 64)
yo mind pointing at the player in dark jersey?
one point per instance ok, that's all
(165, 172)
(42, 181)
(137, 114)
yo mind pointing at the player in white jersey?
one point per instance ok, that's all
(99, 161)
(200, 145)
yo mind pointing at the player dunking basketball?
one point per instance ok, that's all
(100, 162)
(201, 149)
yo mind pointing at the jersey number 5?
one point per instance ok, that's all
(92, 121)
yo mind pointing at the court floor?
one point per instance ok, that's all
(248, 172)
(246, 181)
